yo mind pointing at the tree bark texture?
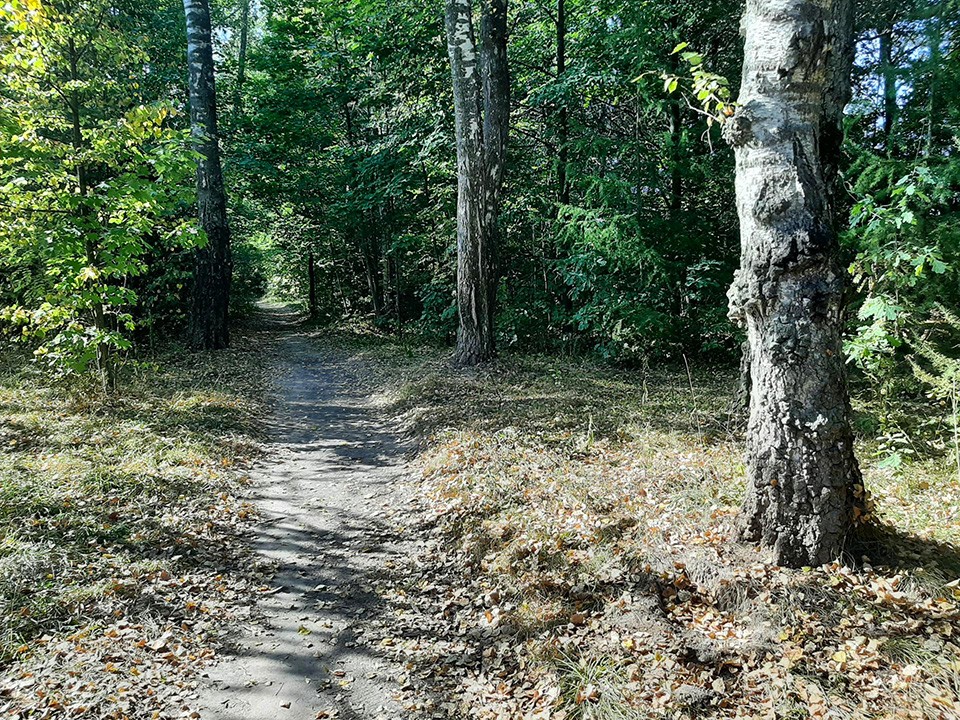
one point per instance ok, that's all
(740, 404)
(481, 90)
(209, 329)
(804, 485)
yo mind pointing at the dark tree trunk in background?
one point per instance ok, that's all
(676, 175)
(675, 202)
(393, 269)
(374, 272)
(803, 479)
(562, 295)
(935, 39)
(242, 56)
(312, 286)
(335, 271)
(209, 329)
(889, 85)
(481, 91)
(563, 139)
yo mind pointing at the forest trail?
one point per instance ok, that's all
(325, 493)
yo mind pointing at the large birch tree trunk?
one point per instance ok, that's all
(209, 329)
(804, 486)
(481, 91)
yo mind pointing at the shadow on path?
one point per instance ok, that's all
(325, 492)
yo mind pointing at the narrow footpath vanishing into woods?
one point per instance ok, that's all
(327, 495)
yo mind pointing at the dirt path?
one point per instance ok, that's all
(326, 493)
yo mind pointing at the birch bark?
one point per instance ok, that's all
(804, 485)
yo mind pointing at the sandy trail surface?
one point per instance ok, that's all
(326, 493)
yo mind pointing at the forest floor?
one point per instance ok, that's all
(323, 526)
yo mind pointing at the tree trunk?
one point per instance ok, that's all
(481, 90)
(393, 268)
(104, 361)
(675, 122)
(312, 287)
(740, 404)
(804, 486)
(211, 292)
(935, 39)
(888, 71)
(335, 271)
(562, 294)
(242, 57)
(374, 272)
(563, 135)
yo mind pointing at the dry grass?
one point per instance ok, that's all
(577, 494)
(120, 520)
(575, 554)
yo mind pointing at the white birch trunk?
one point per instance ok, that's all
(804, 485)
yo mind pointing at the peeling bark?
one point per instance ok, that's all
(740, 404)
(481, 90)
(803, 479)
(209, 321)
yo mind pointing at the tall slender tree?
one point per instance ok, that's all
(211, 295)
(804, 484)
(563, 129)
(481, 91)
(242, 56)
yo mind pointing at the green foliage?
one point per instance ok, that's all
(250, 279)
(906, 239)
(944, 373)
(619, 230)
(92, 178)
(342, 148)
(711, 91)
(937, 365)
(903, 240)
(605, 267)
